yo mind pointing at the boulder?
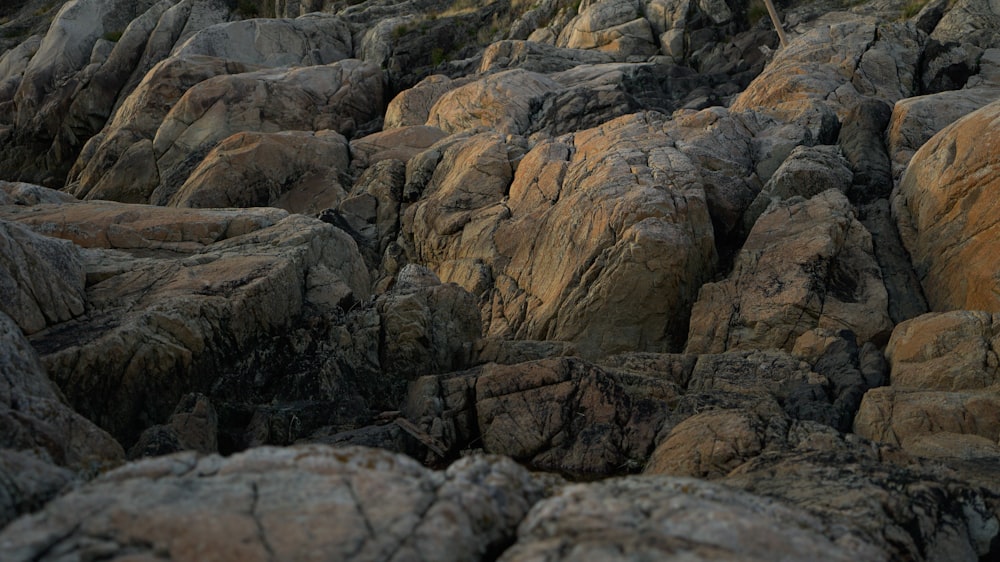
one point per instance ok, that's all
(269, 502)
(861, 139)
(661, 517)
(41, 279)
(299, 171)
(945, 213)
(504, 101)
(833, 67)
(876, 496)
(969, 21)
(413, 105)
(45, 444)
(805, 265)
(537, 57)
(915, 120)
(341, 96)
(807, 172)
(315, 39)
(619, 278)
(399, 143)
(613, 26)
(119, 164)
(942, 401)
(427, 326)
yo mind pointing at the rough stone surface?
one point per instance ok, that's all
(268, 503)
(946, 216)
(805, 265)
(298, 171)
(662, 517)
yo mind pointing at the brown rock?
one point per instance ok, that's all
(412, 106)
(616, 27)
(805, 265)
(193, 426)
(945, 214)
(298, 171)
(501, 101)
(341, 96)
(399, 143)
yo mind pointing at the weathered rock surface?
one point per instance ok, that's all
(619, 278)
(299, 171)
(206, 285)
(661, 517)
(41, 279)
(805, 265)
(45, 444)
(340, 96)
(270, 503)
(946, 216)
(942, 400)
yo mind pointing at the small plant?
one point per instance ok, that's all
(400, 30)
(248, 9)
(438, 56)
(113, 36)
(755, 11)
(913, 8)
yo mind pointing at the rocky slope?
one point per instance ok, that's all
(452, 280)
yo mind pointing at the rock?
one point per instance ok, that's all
(119, 163)
(267, 501)
(193, 426)
(341, 96)
(807, 172)
(555, 414)
(663, 517)
(915, 120)
(612, 26)
(28, 483)
(41, 279)
(944, 216)
(206, 286)
(767, 302)
(299, 171)
(45, 445)
(709, 445)
(807, 78)
(413, 106)
(941, 402)
(502, 101)
(902, 286)
(969, 21)
(619, 278)
(398, 143)
(861, 141)
(372, 210)
(947, 66)
(50, 82)
(316, 39)
(427, 327)
(537, 57)
(876, 497)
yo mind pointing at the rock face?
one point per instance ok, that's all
(945, 214)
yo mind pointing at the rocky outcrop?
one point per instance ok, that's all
(208, 286)
(942, 401)
(805, 265)
(41, 279)
(619, 278)
(945, 216)
(266, 503)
